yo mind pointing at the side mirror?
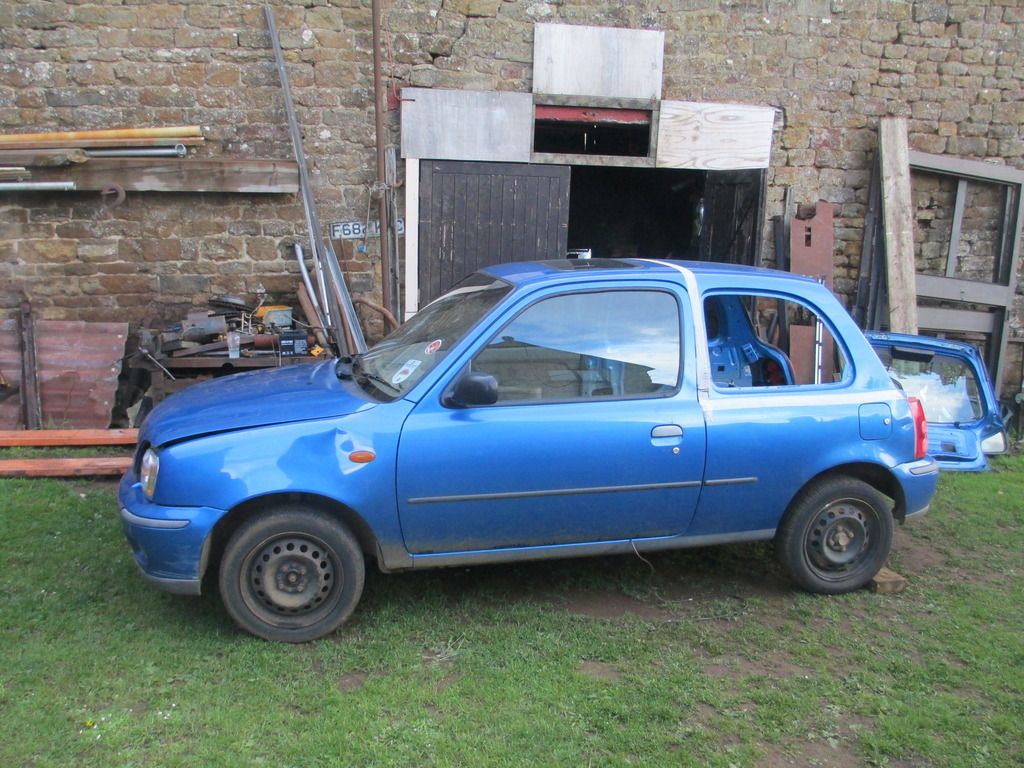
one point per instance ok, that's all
(470, 389)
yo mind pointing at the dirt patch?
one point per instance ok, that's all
(913, 555)
(352, 681)
(599, 671)
(811, 753)
(446, 682)
(608, 605)
(772, 666)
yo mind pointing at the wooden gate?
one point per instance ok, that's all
(474, 214)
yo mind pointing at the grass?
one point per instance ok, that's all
(709, 659)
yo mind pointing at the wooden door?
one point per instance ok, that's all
(474, 214)
(733, 212)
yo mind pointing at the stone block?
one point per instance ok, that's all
(888, 582)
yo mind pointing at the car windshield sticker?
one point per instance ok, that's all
(405, 371)
(433, 346)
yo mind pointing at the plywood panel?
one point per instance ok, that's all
(466, 125)
(714, 137)
(598, 61)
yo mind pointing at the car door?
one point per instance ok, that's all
(596, 434)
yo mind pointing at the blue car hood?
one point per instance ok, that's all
(254, 399)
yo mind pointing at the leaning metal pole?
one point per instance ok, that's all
(349, 335)
(386, 267)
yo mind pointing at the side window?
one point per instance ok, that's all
(766, 341)
(584, 346)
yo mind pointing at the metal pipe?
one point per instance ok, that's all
(351, 329)
(38, 186)
(178, 150)
(300, 257)
(382, 202)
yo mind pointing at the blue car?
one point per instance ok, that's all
(965, 425)
(537, 410)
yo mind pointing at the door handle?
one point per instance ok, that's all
(667, 430)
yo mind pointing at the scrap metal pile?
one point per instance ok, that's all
(233, 329)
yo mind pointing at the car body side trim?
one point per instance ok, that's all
(552, 492)
(730, 481)
(586, 549)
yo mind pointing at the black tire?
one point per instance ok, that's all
(835, 536)
(291, 575)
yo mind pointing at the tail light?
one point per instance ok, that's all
(920, 428)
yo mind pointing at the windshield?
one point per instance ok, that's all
(945, 385)
(411, 351)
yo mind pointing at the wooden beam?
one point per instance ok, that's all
(163, 174)
(898, 219)
(36, 438)
(42, 157)
(100, 143)
(15, 173)
(87, 467)
(177, 131)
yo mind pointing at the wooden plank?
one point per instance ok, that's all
(15, 173)
(162, 174)
(898, 221)
(36, 438)
(412, 237)
(108, 133)
(81, 467)
(100, 143)
(963, 320)
(42, 157)
(970, 291)
(466, 125)
(31, 406)
(604, 62)
(714, 137)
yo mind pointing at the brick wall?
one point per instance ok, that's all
(834, 67)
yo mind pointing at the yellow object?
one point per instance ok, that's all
(262, 311)
(316, 350)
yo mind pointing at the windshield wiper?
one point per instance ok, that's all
(364, 376)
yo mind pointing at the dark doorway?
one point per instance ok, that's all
(666, 213)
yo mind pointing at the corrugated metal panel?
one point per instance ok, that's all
(78, 363)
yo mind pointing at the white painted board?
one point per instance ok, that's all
(444, 124)
(714, 137)
(605, 62)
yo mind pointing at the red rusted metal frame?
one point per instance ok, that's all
(562, 114)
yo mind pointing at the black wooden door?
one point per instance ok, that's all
(476, 214)
(733, 212)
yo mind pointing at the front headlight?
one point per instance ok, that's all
(148, 471)
(994, 443)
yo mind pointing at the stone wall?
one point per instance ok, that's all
(833, 68)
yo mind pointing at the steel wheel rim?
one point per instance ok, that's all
(291, 579)
(840, 538)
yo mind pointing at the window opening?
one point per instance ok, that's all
(587, 346)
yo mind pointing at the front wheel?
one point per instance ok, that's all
(836, 535)
(291, 575)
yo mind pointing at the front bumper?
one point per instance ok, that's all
(170, 544)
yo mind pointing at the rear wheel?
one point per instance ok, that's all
(836, 535)
(291, 575)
